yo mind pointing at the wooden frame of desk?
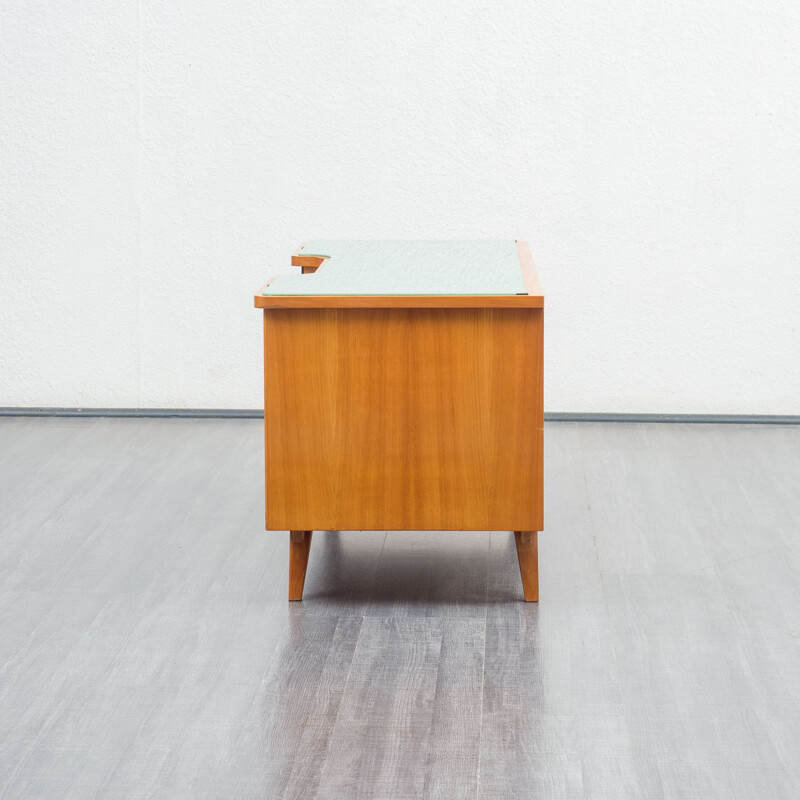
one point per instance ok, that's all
(404, 413)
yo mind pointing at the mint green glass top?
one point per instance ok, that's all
(354, 267)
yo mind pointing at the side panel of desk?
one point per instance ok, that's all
(404, 418)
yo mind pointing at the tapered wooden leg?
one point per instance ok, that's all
(528, 555)
(299, 548)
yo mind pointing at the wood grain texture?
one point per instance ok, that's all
(388, 419)
(527, 543)
(390, 695)
(299, 549)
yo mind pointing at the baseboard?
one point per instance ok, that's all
(732, 419)
(212, 413)
(257, 413)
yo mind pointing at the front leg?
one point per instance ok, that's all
(299, 548)
(528, 556)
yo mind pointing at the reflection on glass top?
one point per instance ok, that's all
(353, 267)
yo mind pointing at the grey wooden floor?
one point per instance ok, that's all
(147, 649)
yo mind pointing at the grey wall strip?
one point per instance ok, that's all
(213, 413)
(248, 413)
(735, 419)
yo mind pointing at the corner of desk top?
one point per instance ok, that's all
(307, 263)
(259, 299)
(529, 274)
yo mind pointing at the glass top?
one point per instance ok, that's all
(407, 267)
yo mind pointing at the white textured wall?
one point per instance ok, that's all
(159, 160)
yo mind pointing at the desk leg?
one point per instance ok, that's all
(528, 555)
(299, 548)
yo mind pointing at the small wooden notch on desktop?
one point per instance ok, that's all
(308, 262)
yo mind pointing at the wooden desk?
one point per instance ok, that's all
(403, 391)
